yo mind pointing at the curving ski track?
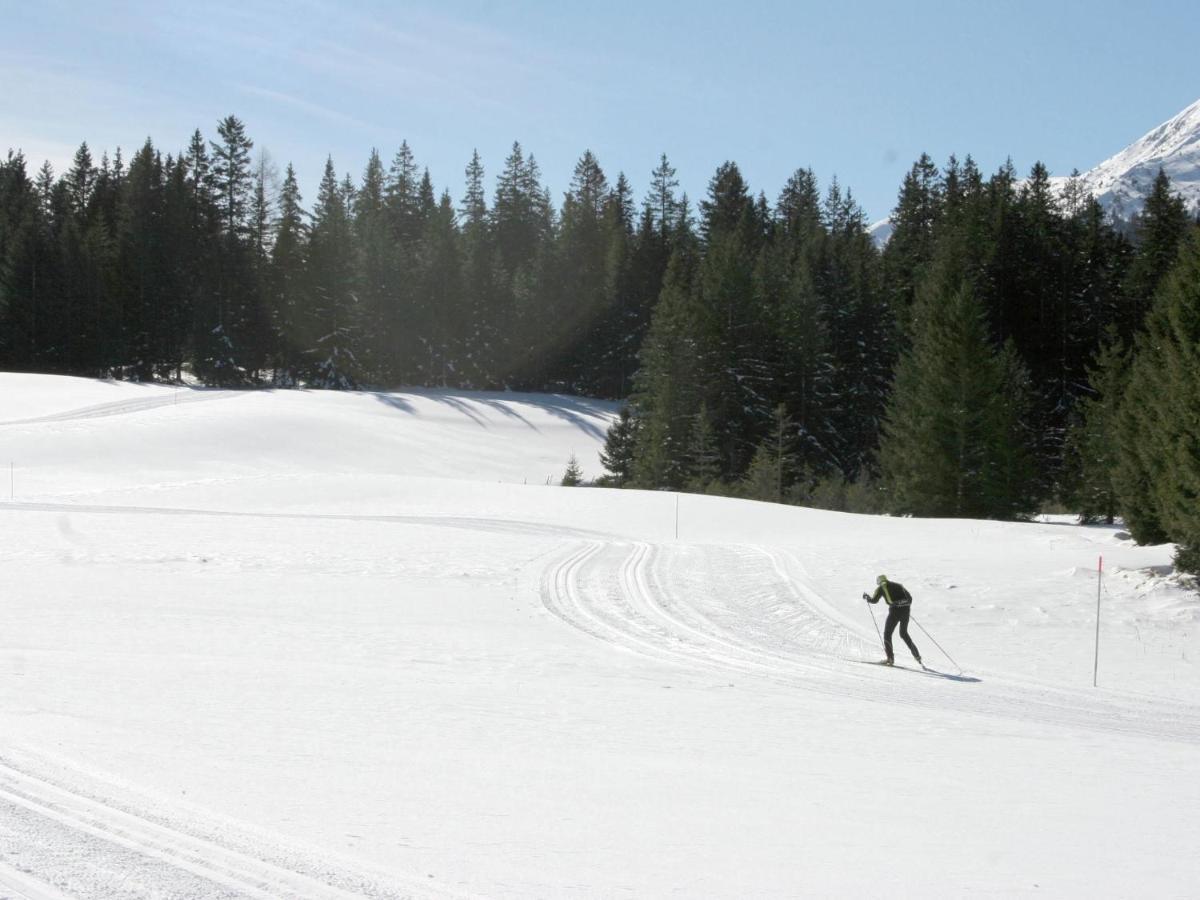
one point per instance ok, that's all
(60, 842)
(749, 611)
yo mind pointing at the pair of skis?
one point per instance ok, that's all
(893, 665)
(924, 670)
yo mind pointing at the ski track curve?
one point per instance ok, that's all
(63, 843)
(126, 407)
(749, 610)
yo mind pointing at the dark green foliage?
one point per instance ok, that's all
(771, 471)
(1159, 230)
(952, 442)
(1090, 485)
(573, 476)
(334, 328)
(618, 453)
(707, 327)
(909, 251)
(703, 468)
(667, 389)
(1159, 418)
(287, 286)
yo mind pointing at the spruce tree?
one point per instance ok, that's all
(441, 287)
(573, 476)
(952, 442)
(770, 473)
(335, 326)
(667, 388)
(1159, 417)
(237, 348)
(231, 174)
(618, 453)
(909, 251)
(1179, 352)
(482, 339)
(1091, 451)
(287, 294)
(703, 456)
(1158, 232)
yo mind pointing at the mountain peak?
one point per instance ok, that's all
(1122, 181)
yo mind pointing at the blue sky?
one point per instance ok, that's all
(856, 90)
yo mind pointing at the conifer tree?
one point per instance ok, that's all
(619, 442)
(573, 476)
(910, 249)
(1158, 232)
(143, 271)
(582, 298)
(859, 331)
(703, 456)
(375, 243)
(952, 442)
(231, 174)
(521, 226)
(19, 265)
(661, 205)
(1158, 422)
(481, 343)
(335, 324)
(648, 252)
(403, 199)
(667, 386)
(1179, 373)
(771, 470)
(1091, 451)
(287, 303)
(440, 274)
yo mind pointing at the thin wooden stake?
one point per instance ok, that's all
(1096, 665)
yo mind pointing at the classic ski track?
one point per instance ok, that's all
(713, 641)
(125, 407)
(632, 595)
(157, 851)
(26, 887)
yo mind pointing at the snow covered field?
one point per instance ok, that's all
(290, 644)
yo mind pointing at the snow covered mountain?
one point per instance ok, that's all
(1122, 182)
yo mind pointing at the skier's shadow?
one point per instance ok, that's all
(965, 679)
(932, 673)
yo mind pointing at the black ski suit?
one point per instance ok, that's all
(899, 602)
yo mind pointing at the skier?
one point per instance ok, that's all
(899, 602)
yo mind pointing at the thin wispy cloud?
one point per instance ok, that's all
(305, 106)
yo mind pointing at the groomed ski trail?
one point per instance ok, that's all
(749, 610)
(62, 843)
(126, 407)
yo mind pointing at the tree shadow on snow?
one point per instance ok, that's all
(393, 401)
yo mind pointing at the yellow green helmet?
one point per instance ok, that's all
(881, 580)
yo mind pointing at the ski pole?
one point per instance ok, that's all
(876, 624)
(936, 644)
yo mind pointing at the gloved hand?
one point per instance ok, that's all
(866, 596)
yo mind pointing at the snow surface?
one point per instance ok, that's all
(314, 644)
(881, 232)
(1123, 181)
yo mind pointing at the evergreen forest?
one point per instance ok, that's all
(1011, 348)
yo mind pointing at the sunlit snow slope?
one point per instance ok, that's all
(313, 644)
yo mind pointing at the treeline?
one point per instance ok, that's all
(974, 368)
(193, 261)
(1009, 347)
